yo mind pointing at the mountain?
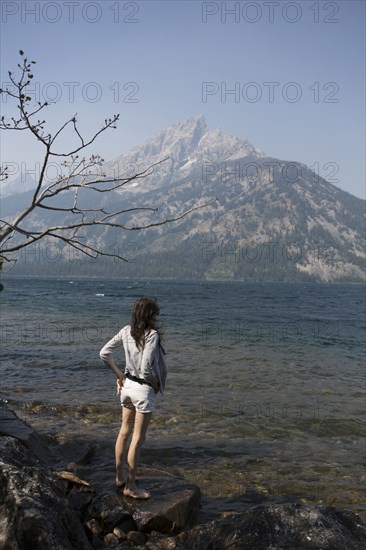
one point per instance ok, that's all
(184, 145)
(272, 220)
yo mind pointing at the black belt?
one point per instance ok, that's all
(135, 379)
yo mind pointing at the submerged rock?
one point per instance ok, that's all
(281, 526)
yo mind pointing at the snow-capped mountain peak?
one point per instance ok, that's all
(182, 143)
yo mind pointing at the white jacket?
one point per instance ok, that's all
(147, 363)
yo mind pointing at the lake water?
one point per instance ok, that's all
(265, 396)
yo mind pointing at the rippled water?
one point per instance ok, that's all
(265, 395)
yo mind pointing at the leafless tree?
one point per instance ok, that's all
(79, 175)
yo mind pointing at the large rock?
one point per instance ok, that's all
(34, 510)
(281, 527)
(13, 426)
(171, 508)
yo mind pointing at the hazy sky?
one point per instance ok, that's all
(287, 76)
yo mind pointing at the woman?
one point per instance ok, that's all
(144, 376)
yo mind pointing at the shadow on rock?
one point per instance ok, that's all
(283, 526)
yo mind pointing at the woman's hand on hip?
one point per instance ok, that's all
(119, 382)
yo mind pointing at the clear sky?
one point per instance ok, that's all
(295, 70)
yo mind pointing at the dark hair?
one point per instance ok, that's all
(144, 313)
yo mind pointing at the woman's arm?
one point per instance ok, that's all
(106, 355)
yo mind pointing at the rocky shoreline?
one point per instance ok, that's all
(52, 498)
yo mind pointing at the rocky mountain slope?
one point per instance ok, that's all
(272, 220)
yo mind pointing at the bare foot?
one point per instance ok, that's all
(136, 493)
(120, 484)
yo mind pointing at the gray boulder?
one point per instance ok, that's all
(281, 527)
(171, 508)
(11, 425)
(34, 510)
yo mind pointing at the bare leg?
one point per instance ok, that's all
(128, 420)
(142, 421)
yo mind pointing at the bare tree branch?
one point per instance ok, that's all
(4, 173)
(85, 174)
(51, 231)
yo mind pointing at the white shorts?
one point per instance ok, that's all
(139, 396)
